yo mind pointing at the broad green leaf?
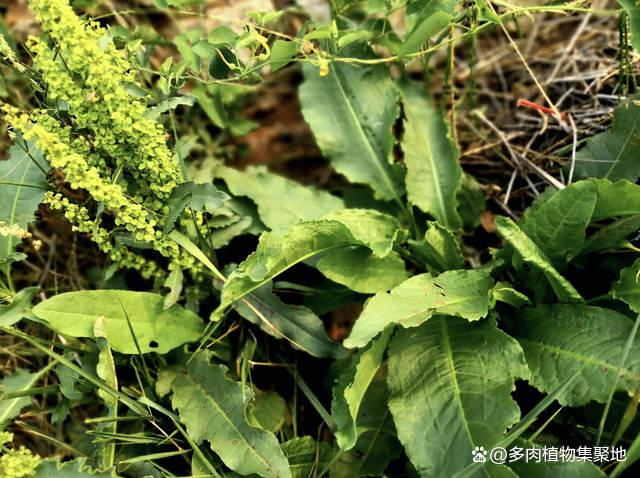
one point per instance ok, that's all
(616, 199)
(79, 468)
(300, 325)
(439, 249)
(16, 382)
(351, 130)
(222, 237)
(223, 36)
(11, 258)
(531, 254)
(615, 153)
(430, 17)
(377, 443)
(16, 310)
(433, 172)
(608, 237)
(281, 52)
(352, 386)
(303, 453)
(550, 469)
(462, 293)
(627, 289)
(185, 44)
(349, 227)
(281, 201)
(558, 226)
(203, 197)
(451, 382)
(559, 339)
(267, 410)
(210, 99)
(213, 409)
(156, 329)
(153, 114)
(363, 272)
(471, 202)
(174, 283)
(69, 381)
(504, 292)
(18, 204)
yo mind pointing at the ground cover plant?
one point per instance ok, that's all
(365, 312)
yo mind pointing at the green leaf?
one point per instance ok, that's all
(485, 13)
(352, 386)
(532, 255)
(213, 409)
(471, 202)
(299, 324)
(363, 272)
(174, 283)
(439, 249)
(460, 379)
(210, 99)
(351, 130)
(462, 293)
(153, 114)
(431, 157)
(614, 154)
(199, 197)
(377, 443)
(616, 199)
(185, 44)
(69, 381)
(222, 237)
(432, 19)
(267, 410)
(634, 21)
(559, 339)
(349, 227)
(281, 201)
(19, 203)
(18, 381)
(608, 237)
(504, 292)
(558, 226)
(223, 36)
(301, 454)
(79, 468)
(627, 288)
(219, 65)
(281, 52)
(156, 330)
(106, 370)
(16, 310)
(549, 469)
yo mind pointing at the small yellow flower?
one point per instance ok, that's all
(37, 244)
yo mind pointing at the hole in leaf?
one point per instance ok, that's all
(153, 344)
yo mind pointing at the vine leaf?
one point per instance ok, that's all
(352, 387)
(299, 324)
(351, 130)
(156, 329)
(213, 409)
(614, 154)
(281, 202)
(463, 293)
(361, 271)
(19, 201)
(349, 227)
(431, 157)
(559, 339)
(531, 254)
(461, 378)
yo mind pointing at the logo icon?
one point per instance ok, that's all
(479, 455)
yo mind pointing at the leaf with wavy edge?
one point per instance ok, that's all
(281, 202)
(627, 289)
(439, 249)
(451, 382)
(431, 157)
(213, 409)
(78, 468)
(616, 199)
(351, 112)
(349, 227)
(559, 339)
(531, 254)
(352, 386)
(463, 293)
